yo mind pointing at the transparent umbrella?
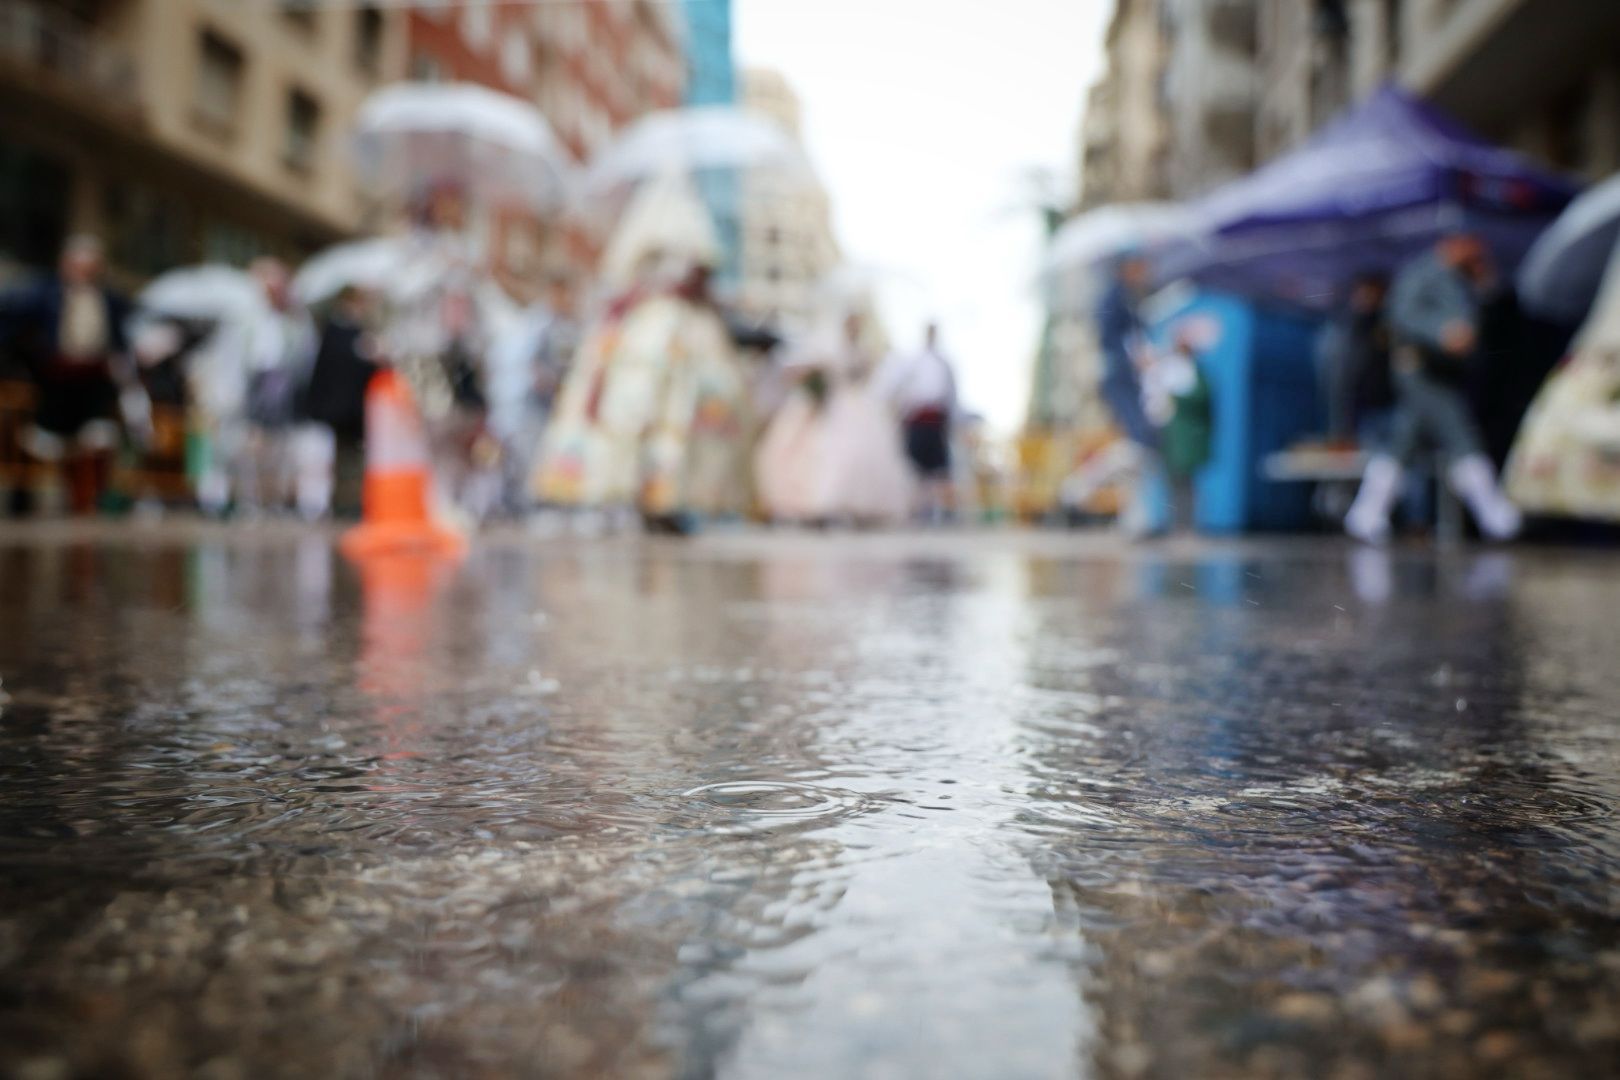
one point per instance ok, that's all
(1081, 249)
(1099, 235)
(691, 139)
(665, 220)
(1562, 271)
(494, 145)
(231, 302)
(392, 265)
(209, 292)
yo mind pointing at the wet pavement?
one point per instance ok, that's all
(778, 806)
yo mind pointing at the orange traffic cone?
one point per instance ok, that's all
(395, 501)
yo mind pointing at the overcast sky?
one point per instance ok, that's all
(924, 118)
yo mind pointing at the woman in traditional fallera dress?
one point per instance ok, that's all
(833, 452)
(654, 413)
(1566, 459)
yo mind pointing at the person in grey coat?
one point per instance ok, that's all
(1434, 319)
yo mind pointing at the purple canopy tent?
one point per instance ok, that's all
(1366, 192)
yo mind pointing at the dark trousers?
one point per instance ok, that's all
(1432, 412)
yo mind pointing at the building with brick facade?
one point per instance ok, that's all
(591, 68)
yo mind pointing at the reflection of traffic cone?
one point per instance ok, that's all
(395, 500)
(400, 594)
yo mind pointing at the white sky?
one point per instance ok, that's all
(924, 118)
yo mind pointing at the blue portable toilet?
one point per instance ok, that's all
(1262, 375)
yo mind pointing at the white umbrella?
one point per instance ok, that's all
(1073, 269)
(212, 292)
(496, 145)
(1097, 236)
(1560, 275)
(229, 298)
(666, 221)
(393, 265)
(695, 138)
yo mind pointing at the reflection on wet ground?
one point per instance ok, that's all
(771, 806)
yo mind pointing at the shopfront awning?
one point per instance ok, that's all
(1366, 192)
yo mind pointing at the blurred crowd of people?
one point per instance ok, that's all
(1394, 366)
(637, 397)
(1401, 378)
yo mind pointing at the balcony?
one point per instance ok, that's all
(1491, 62)
(54, 51)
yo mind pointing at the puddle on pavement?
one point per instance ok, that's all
(818, 809)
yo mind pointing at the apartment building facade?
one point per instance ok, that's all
(1125, 131)
(184, 130)
(787, 246)
(1541, 76)
(1197, 92)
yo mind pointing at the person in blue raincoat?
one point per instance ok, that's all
(1122, 340)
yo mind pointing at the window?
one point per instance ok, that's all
(1235, 27)
(34, 192)
(478, 24)
(368, 39)
(516, 60)
(303, 131)
(1563, 125)
(1394, 16)
(1331, 20)
(426, 68)
(224, 242)
(147, 232)
(299, 14)
(218, 90)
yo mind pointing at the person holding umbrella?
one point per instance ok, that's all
(1123, 341)
(652, 416)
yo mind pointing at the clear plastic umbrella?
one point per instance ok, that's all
(1099, 235)
(210, 292)
(1562, 271)
(229, 299)
(494, 145)
(666, 221)
(393, 265)
(691, 139)
(1081, 249)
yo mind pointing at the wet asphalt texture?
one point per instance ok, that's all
(782, 805)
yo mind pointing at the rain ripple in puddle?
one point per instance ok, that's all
(750, 806)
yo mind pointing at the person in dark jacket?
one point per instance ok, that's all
(70, 330)
(1356, 378)
(335, 395)
(1434, 318)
